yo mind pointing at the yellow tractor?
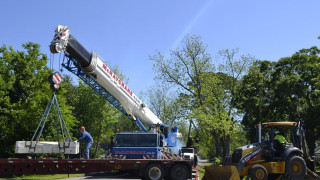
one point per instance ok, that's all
(268, 158)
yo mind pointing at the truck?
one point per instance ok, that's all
(188, 153)
(146, 153)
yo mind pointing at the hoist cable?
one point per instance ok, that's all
(59, 61)
(44, 123)
(62, 120)
(42, 118)
(56, 123)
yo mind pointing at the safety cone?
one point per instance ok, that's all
(197, 174)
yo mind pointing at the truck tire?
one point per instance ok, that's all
(295, 167)
(154, 172)
(258, 172)
(179, 172)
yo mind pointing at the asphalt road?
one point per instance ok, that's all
(203, 162)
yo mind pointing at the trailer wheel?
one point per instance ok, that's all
(179, 172)
(154, 172)
(258, 172)
(295, 167)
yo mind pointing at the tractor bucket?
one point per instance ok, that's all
(221, 173)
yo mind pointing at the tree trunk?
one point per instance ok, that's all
(190, 124)
(217, 144)
(310, 140)
(225, 143)
(98, 139)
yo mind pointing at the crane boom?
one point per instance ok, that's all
(92, 64)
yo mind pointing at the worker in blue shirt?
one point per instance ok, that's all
(87, 138)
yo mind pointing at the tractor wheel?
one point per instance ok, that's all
(295, 167)
(154, 172)
(179, 172)
(258, 172)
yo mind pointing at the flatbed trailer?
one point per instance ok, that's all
(144, 168)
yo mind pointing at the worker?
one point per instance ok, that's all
(280, 138)
(87, 138)
(280, 141)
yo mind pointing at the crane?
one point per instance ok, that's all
(91, 69)
(92, 64)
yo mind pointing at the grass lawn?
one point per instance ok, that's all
(52, 176)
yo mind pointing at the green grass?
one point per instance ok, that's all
(52, 176)
(201, 171)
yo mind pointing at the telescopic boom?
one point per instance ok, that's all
(93, 65)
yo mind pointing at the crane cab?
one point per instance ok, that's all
(152, 144)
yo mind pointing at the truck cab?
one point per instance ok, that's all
(145, 145)
(187, 153)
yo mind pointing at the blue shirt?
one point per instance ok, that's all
(85, 136)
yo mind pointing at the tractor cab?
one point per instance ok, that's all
(281, 138)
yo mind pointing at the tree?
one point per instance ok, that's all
(212, 115)
(256, 96)
(204, 94)
(163, 103)
(25, 92)
(287, 90)
(231, 72)
(166, 106)
(184, 68)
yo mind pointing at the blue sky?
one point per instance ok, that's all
(126, 32)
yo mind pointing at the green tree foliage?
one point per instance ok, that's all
(163, 103)
(287, 90)
(184, 66)
(166, 106)
(183, 70)
(25, 92)
(212, 115)
(98, 116)
(93, 112)
(230, 74)
(206, 96)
